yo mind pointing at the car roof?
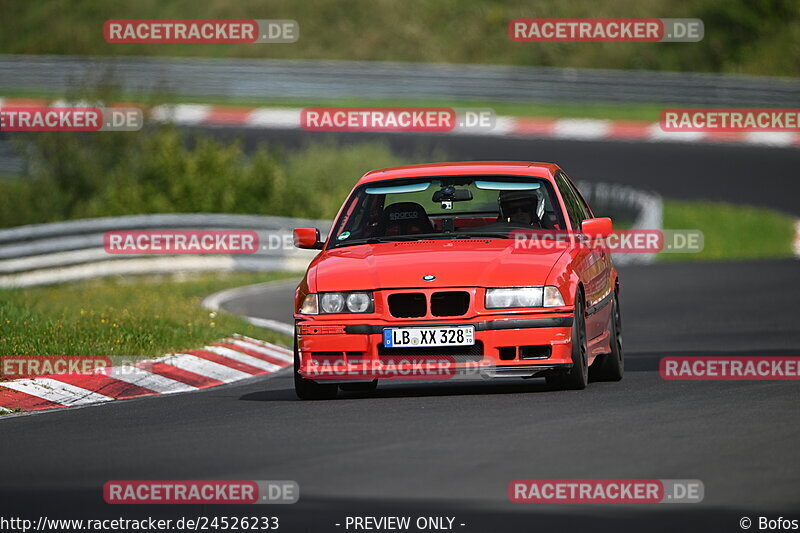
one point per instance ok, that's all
(518, 168)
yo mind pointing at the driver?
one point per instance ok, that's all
(373, 217)
(521, 207)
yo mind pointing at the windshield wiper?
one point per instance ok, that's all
(486, 235)
(423, 237)
(376, 240)
(392, 238)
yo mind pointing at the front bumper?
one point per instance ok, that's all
(515, 346)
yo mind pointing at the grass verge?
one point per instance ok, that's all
(168, 171)
(731, 232)
(126, 316)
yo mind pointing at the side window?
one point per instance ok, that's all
(575, 210)
(587, 213)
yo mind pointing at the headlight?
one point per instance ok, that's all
(358, 302)
(338, 302)
(523, 297)
(514, 297)
(332, 302)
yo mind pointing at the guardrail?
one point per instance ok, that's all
(327, 80)
(68, 251)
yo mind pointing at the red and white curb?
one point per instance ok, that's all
(231, 359)
(627, 130)
(505, 126)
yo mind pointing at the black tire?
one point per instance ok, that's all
(307, 389)
(368, 387)
(578, 375)
(611, 366)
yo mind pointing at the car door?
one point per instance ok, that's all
(592, 265)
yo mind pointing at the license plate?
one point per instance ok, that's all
(426, 337)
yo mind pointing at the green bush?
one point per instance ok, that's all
(160, 171)
(741, 36)
(320, 176)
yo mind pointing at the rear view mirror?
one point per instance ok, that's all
(597, 227)
(307, 238)
(451, 194)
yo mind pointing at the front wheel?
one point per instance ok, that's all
(578, 375)
(611, 366)
(307, 389)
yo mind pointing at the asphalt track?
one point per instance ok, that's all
(744, 174)
(452, 448)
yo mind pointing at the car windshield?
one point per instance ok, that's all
(446, 208)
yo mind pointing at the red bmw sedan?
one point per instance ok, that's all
(458, 270)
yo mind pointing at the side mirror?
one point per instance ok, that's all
(307, 238)
(597, 227)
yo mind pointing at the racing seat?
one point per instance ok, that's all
(404, 218)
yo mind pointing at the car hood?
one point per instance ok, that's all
(455, 263)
